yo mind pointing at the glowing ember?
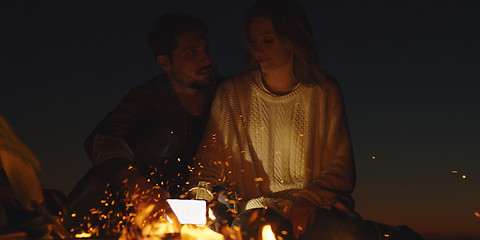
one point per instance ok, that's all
(464, 176)
(454, 171)
(386, 235)
(143, 214)
(373, 157)
(83, 235)
(477, 214)
(190, 232)
(258, 179)
(160, 228)
(267, 233)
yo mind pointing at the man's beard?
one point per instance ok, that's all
(198, 86)
(184, 81)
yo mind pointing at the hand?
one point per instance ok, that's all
(301, 215)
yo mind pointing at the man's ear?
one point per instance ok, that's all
(164, 62)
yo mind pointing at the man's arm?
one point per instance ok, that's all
(108, 149)
(209, 163)
(118, 125)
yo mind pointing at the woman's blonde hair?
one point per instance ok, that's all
(293, 29)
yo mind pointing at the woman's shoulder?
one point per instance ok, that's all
(329, 84)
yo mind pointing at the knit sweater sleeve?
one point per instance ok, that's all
(210, 162)
(333, 169)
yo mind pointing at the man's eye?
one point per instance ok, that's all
(192, 52)
(268, 40)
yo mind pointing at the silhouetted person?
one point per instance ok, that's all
(150, 138)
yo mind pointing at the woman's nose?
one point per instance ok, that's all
(257, 49)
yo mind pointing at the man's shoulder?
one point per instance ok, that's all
(158, 82)
(156, 86)
(150, 94)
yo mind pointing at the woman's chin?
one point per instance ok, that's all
(266, 69)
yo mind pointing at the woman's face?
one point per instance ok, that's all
(266, 47)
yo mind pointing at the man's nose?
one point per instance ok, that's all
(206, 57)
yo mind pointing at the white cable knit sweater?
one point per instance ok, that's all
(299, 142)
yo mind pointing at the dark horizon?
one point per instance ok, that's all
(408, 71)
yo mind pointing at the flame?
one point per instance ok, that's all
(477, 214)
(191, 232)
(83, 235)
(211, 215)
(143, 214)
(159, 228)
(267, 233)
(169, 219)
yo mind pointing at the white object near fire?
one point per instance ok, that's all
(189, 211)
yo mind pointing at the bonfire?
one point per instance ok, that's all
(192, 219)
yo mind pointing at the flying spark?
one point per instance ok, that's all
(259, 179)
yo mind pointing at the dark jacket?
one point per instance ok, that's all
(161, 134)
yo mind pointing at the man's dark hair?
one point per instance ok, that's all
(167, 27)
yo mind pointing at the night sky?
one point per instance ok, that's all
(409, 71)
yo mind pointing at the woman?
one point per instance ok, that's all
(278, 135)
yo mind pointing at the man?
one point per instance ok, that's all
(150, 138)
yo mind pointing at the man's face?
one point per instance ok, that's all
(190, 63)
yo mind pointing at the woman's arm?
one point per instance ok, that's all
(335, 179)
(210, 163)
